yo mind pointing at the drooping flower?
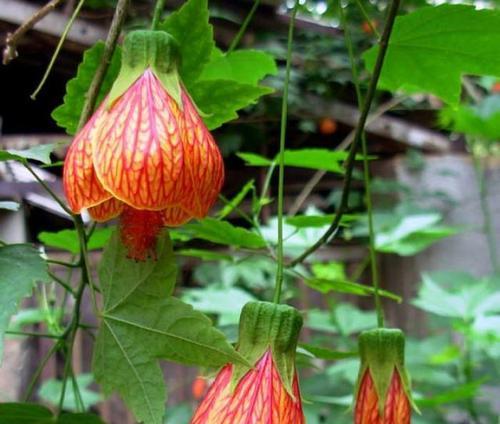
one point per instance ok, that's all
(383, 391)
(145, 155)
(269, 392)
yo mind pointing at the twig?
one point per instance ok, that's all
(10, 51)
(32, 334)
(344, 144)
(109, 48)
(243, 28)
(384, 44)
(158, 11)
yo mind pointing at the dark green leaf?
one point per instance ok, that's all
(141, 322)
(243, 66)
(29, 413)
(41, 153)
(68, 114)
(206, 255)
(465, 391)
(222, 232)
(220, 99)
(20, 268)
(190, 27)
(433, 47)
(318, 221)
(68, 239)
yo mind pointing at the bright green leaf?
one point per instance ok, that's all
(318, 221)
(433, 47)
(319, 159)
(206, 255)
(21, 267)
(40, 153)
(243, 66)
(220, 99)
(141, 322)
(222, 232)
(68, 239)
(68, 114)
(236, 200)
(29, 413)
(190, 27)
(50, 392)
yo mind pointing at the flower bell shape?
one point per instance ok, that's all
(269, 392)
(145, 155)
(383, 390)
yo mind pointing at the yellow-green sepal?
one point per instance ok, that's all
(265, 326)
(382, 352)
(156, 50)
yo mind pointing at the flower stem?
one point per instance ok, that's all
(100, 73)
(160, 5)
(366, 177)
(244, 26)
(281, 159)
(349, 164)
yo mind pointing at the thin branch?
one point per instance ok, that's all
(383, 45)
(344, 144)
(158, 11)
(100, 73)
(32, 334)
(12, 39)
(243, 28)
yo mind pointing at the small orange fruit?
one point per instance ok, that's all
(327, 126)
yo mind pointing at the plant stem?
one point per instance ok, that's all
(63, 263)
(468, 372)
(63, 283)
(244, 26)
(366, 177)
(58, 49)
(488, 228)
(109, 48)
(281, 159)
(372, 87)
(160, 5)
(32, 334)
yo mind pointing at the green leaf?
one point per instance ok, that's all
(319, 159)
(222, 232)
(190, 27)
(206, 255)
(68, 239)
(465, 391)
(431, 48)
(9, 206)
(21, 267)
(327, 353)
(482, 120)
(318, 221)
(220, 99)
(236, 200)
(29, 413)
(243, 66)
(50, 392)
(351, 320)
(141, 322)
(41, 153)
(68, 114)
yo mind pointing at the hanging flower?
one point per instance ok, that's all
(383, 392)
(268, 392)
(145, 155)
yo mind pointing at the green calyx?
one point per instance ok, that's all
(382, 352)
(265, 326)
(156, 50)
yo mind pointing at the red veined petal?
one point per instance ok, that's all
(203, 164)
(138, 150)
(106, 210)
(81, 185)
(175, 217)
(397, 406)
(139, 230)
(259, 397)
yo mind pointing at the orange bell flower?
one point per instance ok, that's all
(383, 391)
(145, 155)
(269, 392)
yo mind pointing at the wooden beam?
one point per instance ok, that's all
(399, 130)
(17, 11)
